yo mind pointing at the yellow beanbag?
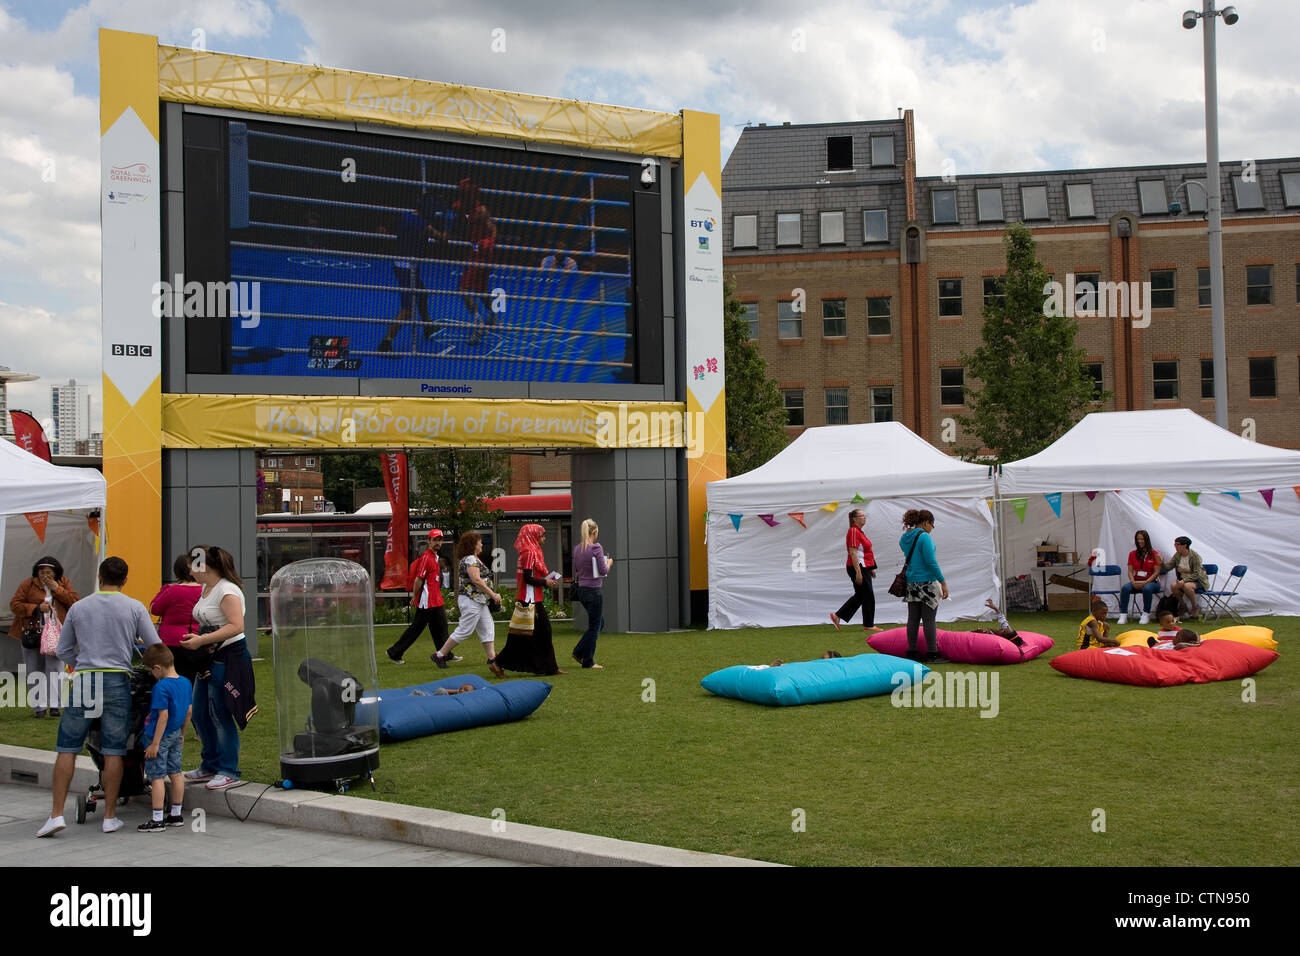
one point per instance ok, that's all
(1134, 637)
(1245, 634)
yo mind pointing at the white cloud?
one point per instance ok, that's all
(56, 346)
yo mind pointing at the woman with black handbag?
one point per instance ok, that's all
(41, 600)
(925, 585)
(530, 649)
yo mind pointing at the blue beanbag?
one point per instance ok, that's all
(409, 712)
(815, 682)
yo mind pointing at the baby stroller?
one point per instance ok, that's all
(133, 778)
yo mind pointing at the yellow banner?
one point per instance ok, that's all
(294, 89)
(262, 421)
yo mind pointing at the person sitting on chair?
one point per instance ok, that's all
(1192, 578)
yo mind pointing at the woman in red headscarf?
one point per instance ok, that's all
(531, 653)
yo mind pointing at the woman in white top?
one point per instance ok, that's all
(473, 598)
(219, 614)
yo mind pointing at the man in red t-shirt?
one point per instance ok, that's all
(861, 566)
(426, 598)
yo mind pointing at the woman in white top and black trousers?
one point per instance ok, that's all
(219, 615)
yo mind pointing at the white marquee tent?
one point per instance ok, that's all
(787, 572)
(1172, 472)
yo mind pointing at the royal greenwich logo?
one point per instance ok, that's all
(130, 173)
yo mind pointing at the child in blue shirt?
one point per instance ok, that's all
(169, 715)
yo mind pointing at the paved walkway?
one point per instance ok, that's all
(225, 842)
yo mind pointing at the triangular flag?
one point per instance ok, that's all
(858, 499)
(830, 507)
(797, 516)
(37, 520)
(989, 502)
(771, 521)
(735, 521)
(1157, 496)
(1235, 494)
(1268, 496)
(1296, 489)
(1091, 494)
(1193, 497)
(1019, 505)
(93, 522)
(1054, 499)
(706, 516)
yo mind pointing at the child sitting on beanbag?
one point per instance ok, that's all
(1093, 629)
(1005, 630)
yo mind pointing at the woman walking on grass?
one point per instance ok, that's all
(861, 565)
(532, 653)
(590, 566)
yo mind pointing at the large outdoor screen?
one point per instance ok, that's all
(378, 256)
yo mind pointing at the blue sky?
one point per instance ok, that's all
(994, 87)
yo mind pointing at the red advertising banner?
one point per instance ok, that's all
(29, 434)
(399, 530)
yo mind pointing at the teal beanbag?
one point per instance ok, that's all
(815, 682)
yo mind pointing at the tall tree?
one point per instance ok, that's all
(755, 412)
(451, 486)
(1033, 383)
(342, 474)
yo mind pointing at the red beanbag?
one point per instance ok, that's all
(964, 647)
(1148, 667)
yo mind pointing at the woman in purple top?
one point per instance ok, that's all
(174, 608)
(590, 566)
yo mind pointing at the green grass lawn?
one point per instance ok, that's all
(1185, 775)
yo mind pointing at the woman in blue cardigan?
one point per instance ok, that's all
(925, 583)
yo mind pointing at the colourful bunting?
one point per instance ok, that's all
(858, 499)
(706, 516)
(735, 521)
(1235, 494)
(1157, 496)
(1091, 495)
(989, 502)
(797, 516)
(1054, 499)
(1193, 497)
(1019, 504)
(1268, 496)
(830, 507)
(1296, 489)
(37, 520)
(771, 520)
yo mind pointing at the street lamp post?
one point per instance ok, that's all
(1214, 200)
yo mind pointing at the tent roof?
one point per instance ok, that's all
(836, 462)
(28, 484)
(1171, 449)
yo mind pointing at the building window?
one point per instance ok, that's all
(943, 205)
(1164, 379)
(1207, 378)
(1078, 200)
(1085, 293)
(882, 404)
(749, 312)
(1162, 288)
(789, 323)
(1196, 195)
(793, 399)
(988, 200)
(788, 230)
(1247, 194)
(1259, 285)
(875, 225)
(995, 292)
(1151, 197)
(834, 323)
(744, 232)
(839, 153)
(950, 297)
(878, 317)
(1203, 288)
(1297, 282)
(1291, 189)
(1263, 378)
(1034, 201)
(951, 386)
(1093, 370)
(832, 228)
(882, 150)
(310, 463)
(837, 406)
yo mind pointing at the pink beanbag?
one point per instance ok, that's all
(1148, 667)
(964, 646)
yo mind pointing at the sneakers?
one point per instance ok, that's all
(197, 775)
(396, 659)
(439, 660)
(1145, 618)
(176, 821)
(934, 657)
(1151, 642)
(152, 826)
(835, 620)
(453, 659)
(1123, 619)
(112, 824)
(52, 826)
(220, 782)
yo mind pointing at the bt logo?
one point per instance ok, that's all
(705, 224)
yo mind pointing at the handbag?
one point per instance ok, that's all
(50, 634)
(31, 638)
(899, 587)
(521, 621)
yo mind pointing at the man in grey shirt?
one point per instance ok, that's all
(98, 638)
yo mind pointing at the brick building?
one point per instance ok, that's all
(300, 476)
(891, 271)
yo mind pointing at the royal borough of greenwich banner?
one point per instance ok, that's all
(331, 421)
(295, 89)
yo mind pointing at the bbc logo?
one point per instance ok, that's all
(144, 350)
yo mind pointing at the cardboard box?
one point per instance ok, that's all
(1067, 601)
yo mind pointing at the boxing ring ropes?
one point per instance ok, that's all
(242, 195)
